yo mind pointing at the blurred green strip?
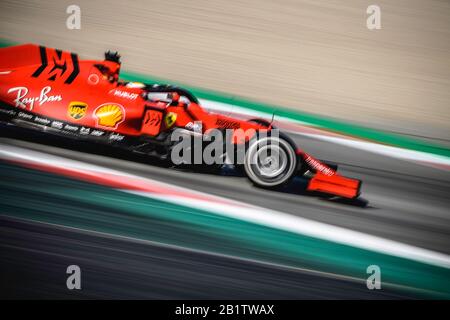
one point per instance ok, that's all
(326, 123)
(45, 197)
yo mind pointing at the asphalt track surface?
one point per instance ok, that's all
(402, 201)
(114, 268)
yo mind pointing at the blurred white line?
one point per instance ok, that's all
(384, 150)
(423, 158)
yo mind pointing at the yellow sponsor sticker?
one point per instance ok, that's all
(109, 115)
(170, 119)
(77, 110)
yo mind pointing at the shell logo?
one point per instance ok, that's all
(109, 115)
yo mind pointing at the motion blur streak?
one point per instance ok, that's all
(195, 200)
(435, 155)
(319, 60)
(317, 56)
(167, 222)
(115, 267)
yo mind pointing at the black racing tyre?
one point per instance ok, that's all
(270, 162)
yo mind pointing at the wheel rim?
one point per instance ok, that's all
(270, 164)
(270, 161)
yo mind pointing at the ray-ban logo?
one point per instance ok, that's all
(23, 101)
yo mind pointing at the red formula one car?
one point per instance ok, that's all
(55, 92)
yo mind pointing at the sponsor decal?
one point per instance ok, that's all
(152, 122)
(41, 120)
(24, 115)
(124, 94)
(56, 64)
(116, 137)
(10, 112)
(68, 127)
(77, 110)
(84, 131)
(97, 133)
(227, 124)
(194, 126)
(57, 125)
(24, 102)
(313, 163)
(109, 115)
(170, 119)
(153, 118)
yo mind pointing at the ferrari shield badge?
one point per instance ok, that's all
(170, 119)
(77, 110)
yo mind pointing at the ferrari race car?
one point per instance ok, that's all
(53, 91)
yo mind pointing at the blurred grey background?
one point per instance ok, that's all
(315, 56)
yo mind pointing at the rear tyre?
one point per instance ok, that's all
(270, 162)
